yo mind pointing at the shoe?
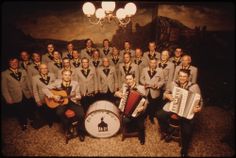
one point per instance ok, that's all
(23, 127)
(81, 137)
(50, 125)
(163, 135)
(142, 142)
(152, 120)
(167, 138)
(183, 153)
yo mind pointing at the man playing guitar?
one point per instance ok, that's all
(73, 92)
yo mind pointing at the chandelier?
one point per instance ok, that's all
(105, 13)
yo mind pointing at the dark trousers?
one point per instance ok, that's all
(137, 123)
(109, 96)
(153, 106)
(86, 101)
(20, 110)
(79, 116)
(186, 127)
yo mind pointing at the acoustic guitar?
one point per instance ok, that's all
(64, 99)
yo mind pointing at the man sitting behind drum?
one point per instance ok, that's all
(130, 84)
(72, 89)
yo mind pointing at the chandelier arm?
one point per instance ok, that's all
(124, 22)
(94, 22)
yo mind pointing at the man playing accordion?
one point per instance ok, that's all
(136, 116)
(186, 125)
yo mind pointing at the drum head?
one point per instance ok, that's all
(102, 119)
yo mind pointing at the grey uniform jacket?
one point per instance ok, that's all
(168, 70)
(142, 63)
(88, 84)
(156, 55)
(147, 79)
(73, 75)
(107, 80)
(32, 71)
(39, 84)
(105, 52)
(75, 91)
(84, 53)
(133, 69)
(46, 58)
(13, 89)
(53, 68)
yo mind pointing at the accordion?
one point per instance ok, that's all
(131, 102)
(184, 102)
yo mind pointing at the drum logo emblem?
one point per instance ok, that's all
(102, 126)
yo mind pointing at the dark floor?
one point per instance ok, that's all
(213, 134)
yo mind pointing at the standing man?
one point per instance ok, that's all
(126, 68)
(152, 78)
(25, 60)
(46, 58)
(186, 64)
(40, 81)
(127, 49)
(186, 125)
(17, 91)
(33, 69)
(55, 65)
(138, 121)
(76, 60)
(115, 59)
(176, 59)
(139, 59)
(152, 53)
(107, 80)
(68, 52)
(67, 66)
(167, 67)
(72, 89)
(88, 50)
(107, 49)
(87, 78)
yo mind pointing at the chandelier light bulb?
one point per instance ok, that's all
(120, 13)
(88, 9)
(100, 13)
(108, 6)
(130, 9)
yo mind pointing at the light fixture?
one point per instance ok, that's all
(105, 14)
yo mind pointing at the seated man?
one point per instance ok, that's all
(186, 125)
(72, 89)
(139, 119)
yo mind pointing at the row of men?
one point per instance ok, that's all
(17, 96)
(104, 78)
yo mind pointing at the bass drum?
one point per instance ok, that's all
(102, 119)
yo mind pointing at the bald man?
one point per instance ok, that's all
(167, 67)
(40, 81)
(186, 64)
(107, 80)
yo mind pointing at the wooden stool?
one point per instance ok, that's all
(175, 132)
(72, 132)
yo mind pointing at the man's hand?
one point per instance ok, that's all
(155, 86)
(56, 97)
(9, 101)
(197, 107)
(119, 94)
(39, 103)
(169, 96)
